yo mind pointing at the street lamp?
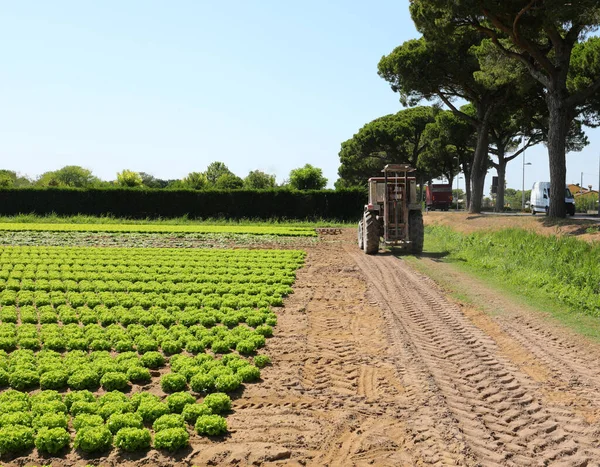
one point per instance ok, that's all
(523, 184)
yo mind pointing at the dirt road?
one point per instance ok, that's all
(374, 366)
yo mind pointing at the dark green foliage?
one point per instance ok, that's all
(133, 439)
(171, 439)
(52, 440)
(211, 425)
(15, 438)
(93, 439)
(142, 203)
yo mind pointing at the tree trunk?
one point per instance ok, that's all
(466, 169)
(479, 168)
(501, 171)
(558, 128)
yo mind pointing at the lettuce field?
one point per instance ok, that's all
(131, 348)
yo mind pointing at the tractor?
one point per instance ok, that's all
(393, 214)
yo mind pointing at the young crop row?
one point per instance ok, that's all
(48, 419)
(79, 320)
(288, 231)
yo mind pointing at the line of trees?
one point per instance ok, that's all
(216, 176)
(527, 72)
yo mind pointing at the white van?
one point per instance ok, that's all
(540, 199)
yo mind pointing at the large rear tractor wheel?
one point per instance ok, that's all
(361, 235)
(371, 237)
(416, 231)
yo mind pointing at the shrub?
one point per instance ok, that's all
(118, 421)
(262, 361)
(202, 383)
(178, 400)
(152, 360)
(22, 379)
(133, 439)
(171, 439)
(211, 425)
(54, 380)
(227, 383)
(139, 375)
(168, 421)
(52, 440)
(218, 402)
(51, 420)
(86, 419)
(151, 410)
(93, 439)
(173, 382)
(112, 381)
(248, 373)
(16, 438)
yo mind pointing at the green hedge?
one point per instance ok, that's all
(136, 203)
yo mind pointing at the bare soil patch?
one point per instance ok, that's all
(588, 230)
(373, 365)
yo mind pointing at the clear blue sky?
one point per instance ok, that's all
(168, 87)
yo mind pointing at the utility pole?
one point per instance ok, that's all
(598, 185)
(523, 183)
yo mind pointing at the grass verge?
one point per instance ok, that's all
(555, 276)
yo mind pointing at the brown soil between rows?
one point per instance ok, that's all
(373, 365)
(588, 230)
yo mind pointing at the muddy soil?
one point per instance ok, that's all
(373, 365)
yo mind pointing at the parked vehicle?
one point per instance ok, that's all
(540, 199)
(438, 196)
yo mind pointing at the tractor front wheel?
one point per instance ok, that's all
(361, 235)
(371, 234)
(416, 231)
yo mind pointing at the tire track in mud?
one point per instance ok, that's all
(496, 408)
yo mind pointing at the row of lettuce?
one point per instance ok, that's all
(79, 322)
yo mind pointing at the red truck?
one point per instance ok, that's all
(438, 196)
